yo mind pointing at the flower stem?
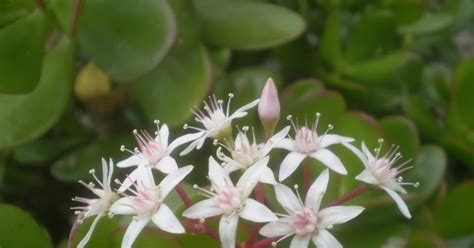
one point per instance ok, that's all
(184, 197)
(75, 16)
(72, 235)
(352, 194)
(41, 4)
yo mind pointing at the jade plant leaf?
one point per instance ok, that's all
(400, 131)
(427, 24)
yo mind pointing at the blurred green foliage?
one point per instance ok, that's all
(402, 70)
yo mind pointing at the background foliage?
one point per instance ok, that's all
(72, 89)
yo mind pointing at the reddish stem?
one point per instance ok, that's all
(308, 175)
(265, 243)
(184, 197)
(41, 4)
(72, 235)
(75, 17)
(352, 194)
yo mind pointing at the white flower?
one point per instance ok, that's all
(244, 154)
(306, 221)
(231, 201)
(306, 143)
(380, 171)
(98, 206)
(147, 203)
(151, 153)
(216, 120)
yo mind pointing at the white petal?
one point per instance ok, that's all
(399, 201)
(317, 190)
(194, 144)
(167, 165)
(200, 141)
(141, 174)
(267, 176)
(227, 230)
(184, 139)
(275, 139)
(131, 161)
(89, 233)
(240, 112)
(164, 135)
(367, 177)
(358, 153)
(300, 241)
(331, 139)
(325, 239)
(257, 212)
(330, 160)
(217, 175)
(276, 229)
(110, 173)
(251, 176)
(122, 206)
(165, 219)
(287, 144)
(287, 198)
(290, 164)
(240, 139)
(135, 227)
(338, 215)
(367, 152)
(203, 209)
(231, 166)
(171, 180)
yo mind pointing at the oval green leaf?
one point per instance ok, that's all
(463, 101)
(247, 25)
(25, 117)
(400, 131)
(427, 24)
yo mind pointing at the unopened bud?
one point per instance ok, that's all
(269, 105)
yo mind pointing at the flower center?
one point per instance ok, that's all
(146, 201)
(229, 200)
(246, 156)
(152, 149)
(304, 221)
(383, 170)
(306, 140)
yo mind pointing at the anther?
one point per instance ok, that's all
(122, 148)
(416, 185)
(289, 117)
(156, 122)
(380, 140)
(91, 171)
(231, 95)
(135, 131)
(185, 126)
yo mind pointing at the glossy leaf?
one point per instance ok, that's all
(21, 53)
(464, 101)
(418, 111)
(103, 233)
(19, 229)
(331, 44)
(247, 25)
(12, 10)
(25, 117)
(400, 131)
(169, 92)
(427, 24)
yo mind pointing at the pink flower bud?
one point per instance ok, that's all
(269, 106)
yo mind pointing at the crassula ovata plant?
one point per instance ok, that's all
(237, 173)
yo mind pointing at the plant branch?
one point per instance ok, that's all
(75, 16)
(184, 197)
(73, 234)
(41, 4)
(352, 194)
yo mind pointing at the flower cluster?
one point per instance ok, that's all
(140, 196)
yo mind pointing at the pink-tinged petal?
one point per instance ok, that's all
(329, 159)
(122, 206)
(165, 219)
(257, 212)
(393, 184)
(290, 164)
(217, 175)
(276, 229)
(367, 177)
(331, 139)
(287, 198)
(269, 105)
(325, 239)
(239, 141)
(231, 166)
(133, 160)
(171, 180)
(203, 209)
(301, 241)
(142, 175)
(317, 190)
(133, 230)
(227, 230)
(367, 152)
(287, 144)
(399, 201)
(183, 140)
(338, 215)
(194, 143)
(164, 135)
(274, 140)
(251, 176)
(89, 232)
(358, 153)
(167, 165)
(240, 112)
(267, 176)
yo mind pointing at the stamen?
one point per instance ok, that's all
(228, 104)
(298, 194)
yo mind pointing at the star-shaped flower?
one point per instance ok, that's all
(146, 203)
(306, 221)
(231, 201)
(151, 153)
(216, 121)
(380, 171)
(98, 207)
(307, 143)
